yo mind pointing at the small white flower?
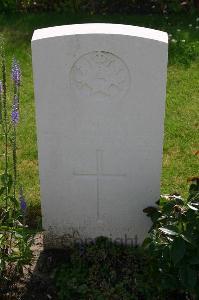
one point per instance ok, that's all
(197, 19)
(190, 25)
(178, 30)
(170, 35)
(173, 41)
(183, 41)
(153, 6)
(197, 27)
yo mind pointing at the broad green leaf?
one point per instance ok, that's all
(192, 207)
(195, 204)
(150, 210)
(186, 238)
(168, 207)
(168, 231)
(178, 250)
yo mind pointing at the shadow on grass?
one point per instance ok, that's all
(40, 283)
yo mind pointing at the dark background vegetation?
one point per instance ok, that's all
(100, 6)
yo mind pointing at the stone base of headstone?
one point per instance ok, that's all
(52, 240)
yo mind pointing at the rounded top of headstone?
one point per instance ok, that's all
(100, 28)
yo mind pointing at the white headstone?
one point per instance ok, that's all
(100, 101)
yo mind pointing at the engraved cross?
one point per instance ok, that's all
(99, 176)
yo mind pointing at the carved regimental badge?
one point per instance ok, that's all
(99, 75)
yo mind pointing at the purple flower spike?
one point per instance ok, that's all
(15, 116)
(1, 87)
(23, 205)
(15, 111)
(22, 200)
(16, 72)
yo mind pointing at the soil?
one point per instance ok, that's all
(37, 282)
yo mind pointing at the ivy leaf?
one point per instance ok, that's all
(178, 250)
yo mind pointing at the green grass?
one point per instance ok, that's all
(181, 124)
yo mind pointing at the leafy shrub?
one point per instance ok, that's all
(173, 243)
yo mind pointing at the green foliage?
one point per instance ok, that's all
(15, 245)
(105, 270)
(15, 240)
(182, 52)
(173, 243)
(8, 5)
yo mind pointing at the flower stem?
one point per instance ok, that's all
(0, 109)
(14, 153)
(5, 117)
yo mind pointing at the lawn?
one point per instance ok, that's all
(181, 121)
